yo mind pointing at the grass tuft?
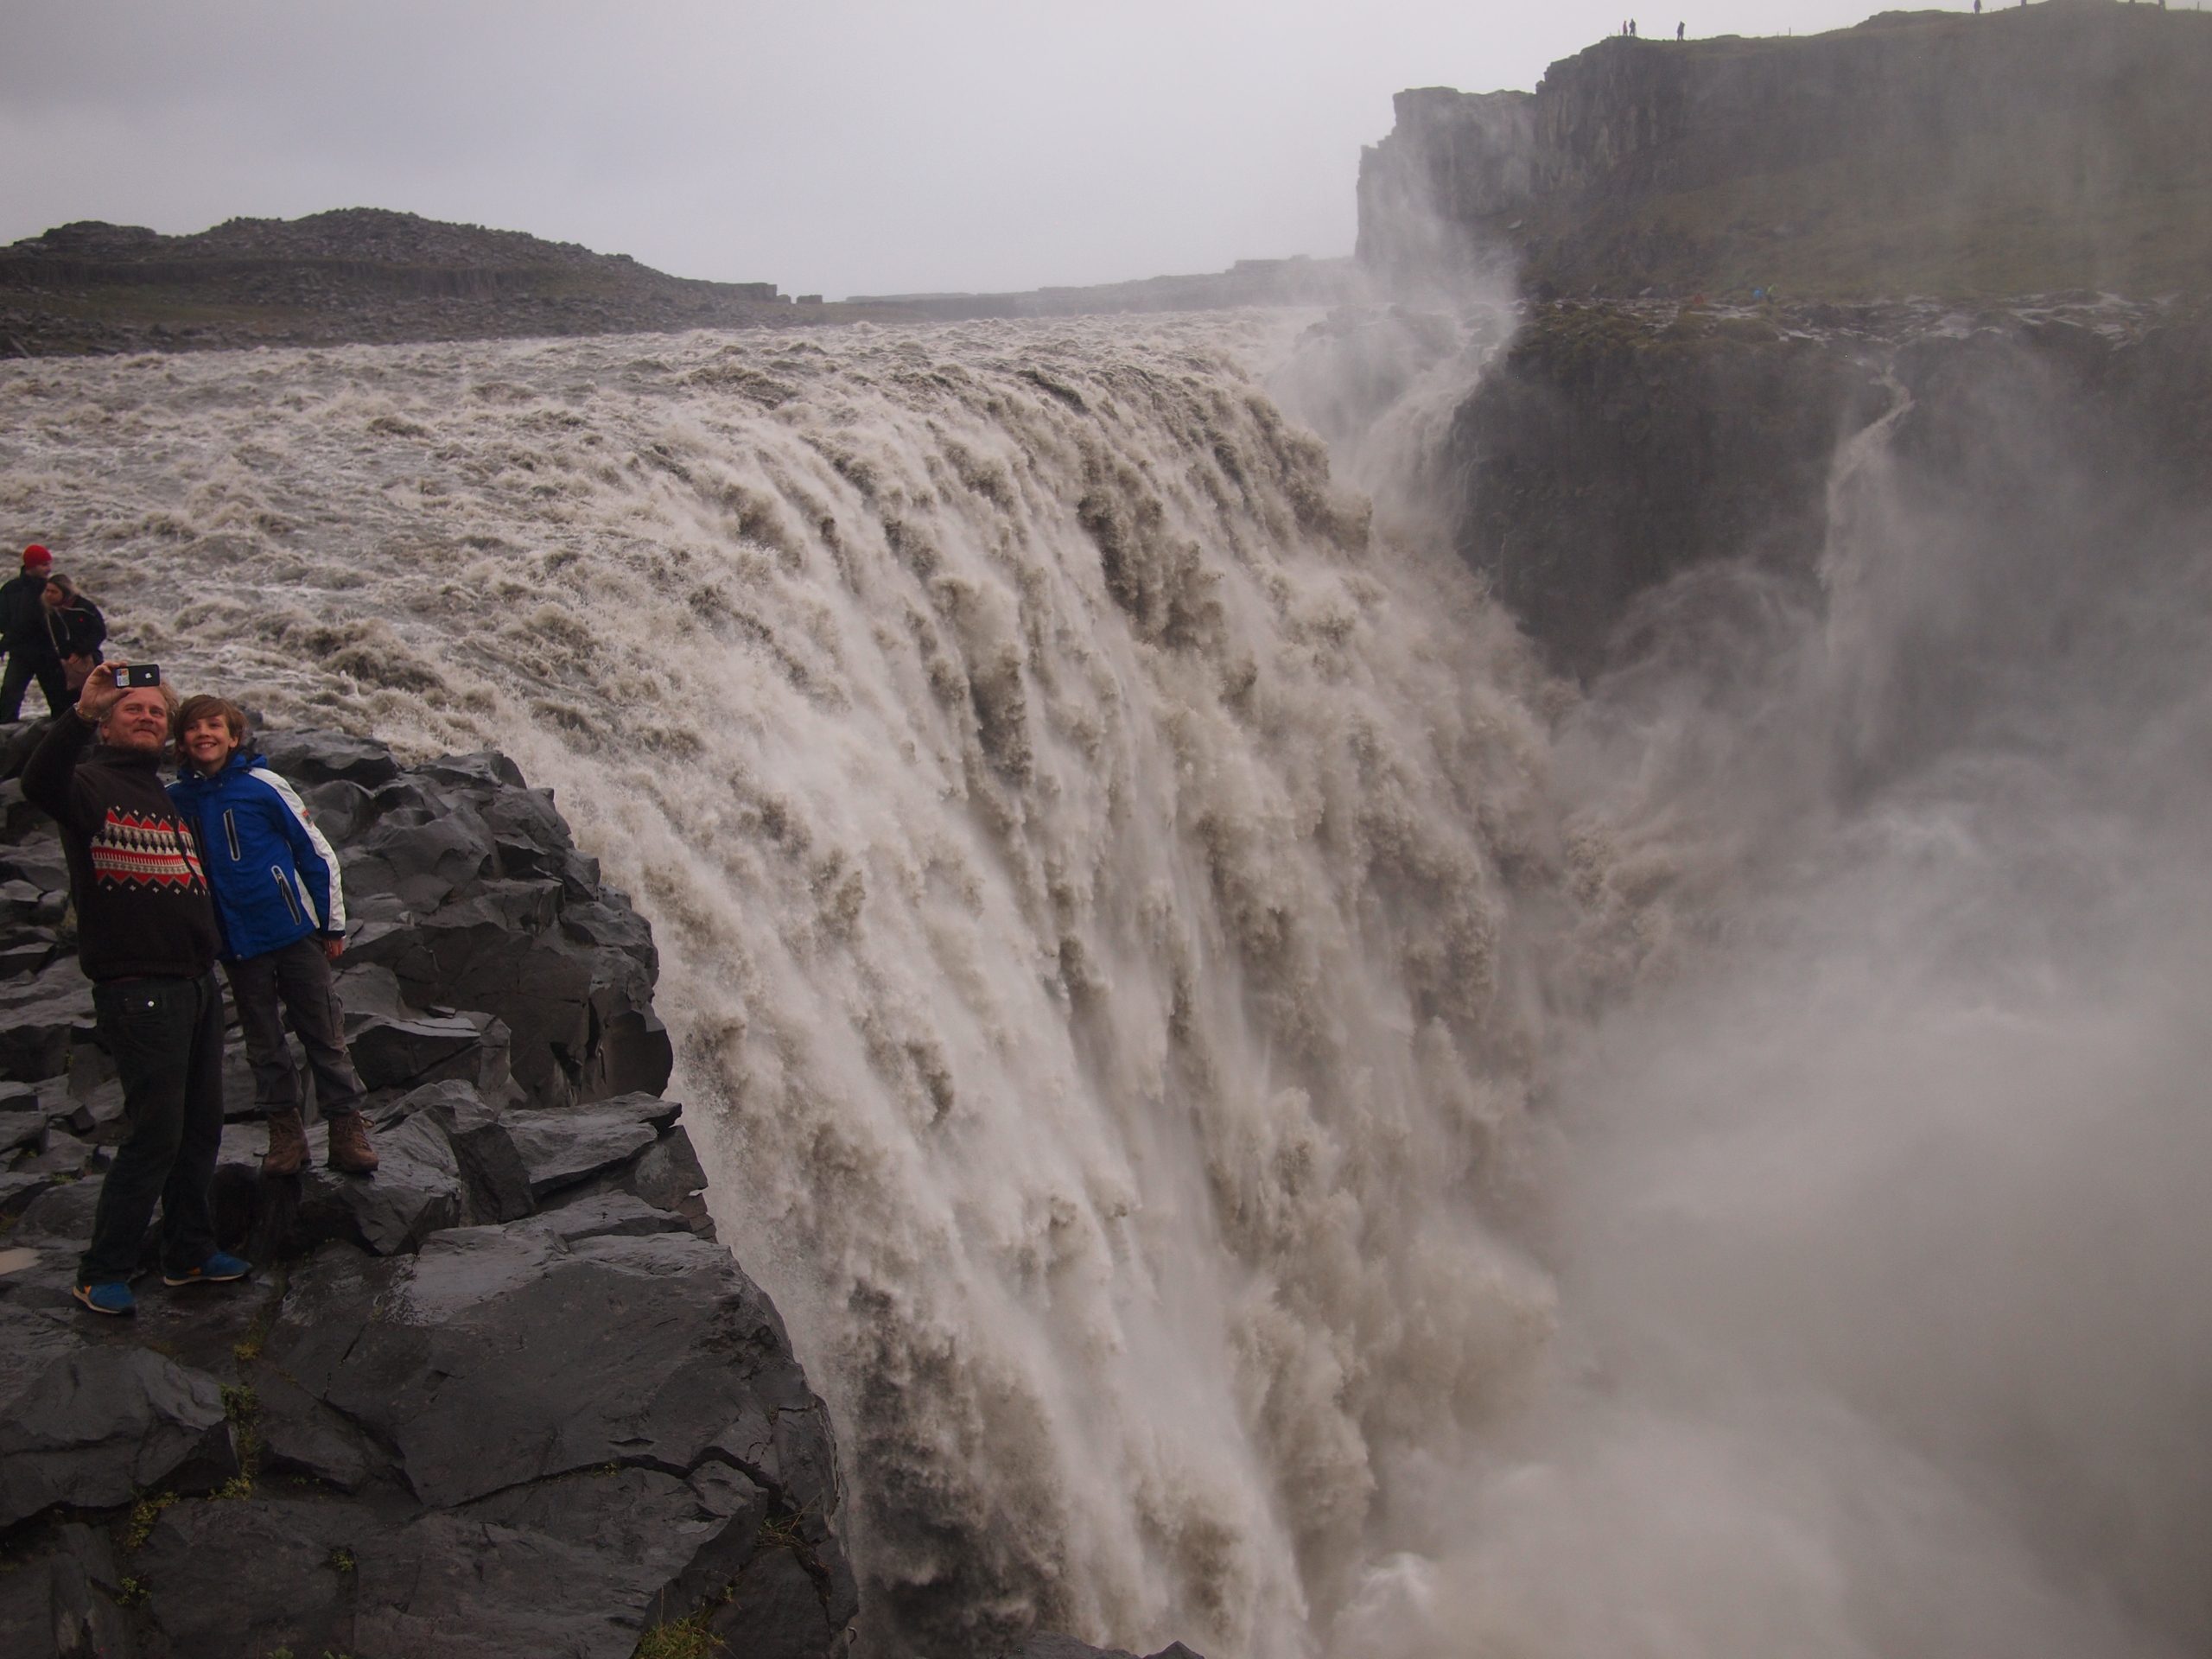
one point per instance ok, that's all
(146, 1511)
(685, 1638)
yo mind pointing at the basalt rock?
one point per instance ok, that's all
(508, 1396)
(1617, 447)
(1045, 1645)
(2035, 149)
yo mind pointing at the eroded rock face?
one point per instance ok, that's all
(1918, 152)
(509, 1396)
(1618, 446)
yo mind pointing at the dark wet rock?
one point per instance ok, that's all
(341, 810)
(18, 818)
(21, 1132)
(61, 1602)
(451, 1587)
(507, 1396)
(18, 1192)
(37, 860)
(97, 1426)
(41, 1018)
(397, 1046)
(19, 903)
(1045, 1645)
(512, 1358)
(95, 1113)
(669, 1175)
(307, 759)
(564, 1148)
(423, 864)
(63, 1154)
(492, 1166)
(606, 1215)
(30, 954)
(252, 1576)
(304, 1439)
(622, 930)
(416, 1192)
(1629, 472)
(483, 769)
(775, 1610)
(54, 1209)
(580, 1015)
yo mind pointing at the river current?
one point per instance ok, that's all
(1271, 1121)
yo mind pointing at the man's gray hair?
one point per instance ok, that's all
(170, 698)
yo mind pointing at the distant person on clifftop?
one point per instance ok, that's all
(77, 628)
(1680, 30)
(283, 912)
(147, 940)
(24, 636)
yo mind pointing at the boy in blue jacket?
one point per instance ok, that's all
(283, 914)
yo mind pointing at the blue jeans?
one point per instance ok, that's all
(166, 1037)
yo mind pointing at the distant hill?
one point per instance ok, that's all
(1295, 281)
(2061, 146)
(356, 274)
(364, 275)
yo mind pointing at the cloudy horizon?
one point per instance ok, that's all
(846, 148)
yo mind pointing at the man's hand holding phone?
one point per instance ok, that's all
(100, 694)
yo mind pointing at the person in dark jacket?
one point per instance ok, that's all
(24, 636)
(76, 626)
(147, 940)
(282, 909)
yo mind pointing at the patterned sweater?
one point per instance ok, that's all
(134, 868)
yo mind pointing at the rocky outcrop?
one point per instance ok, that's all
(510, 1396)
(2030, 150)
(1045, 1646)
(1616, 446)
(353, 275)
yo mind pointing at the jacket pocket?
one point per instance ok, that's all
(285, 887)
(230, 835)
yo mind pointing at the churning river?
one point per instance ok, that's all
(1271, 1121)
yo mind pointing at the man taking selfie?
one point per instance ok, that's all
(147, 940)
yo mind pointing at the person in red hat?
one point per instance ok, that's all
(27, 641)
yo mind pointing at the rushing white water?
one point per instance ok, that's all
(1082, 872)
(1270, 1124)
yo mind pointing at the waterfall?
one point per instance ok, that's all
(1092, 881)
(1272, 1124)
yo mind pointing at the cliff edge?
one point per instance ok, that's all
(508, 1396)
(2066, 145)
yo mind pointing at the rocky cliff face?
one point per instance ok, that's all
(508, 1396)
(1616, 446)
(2062, 146)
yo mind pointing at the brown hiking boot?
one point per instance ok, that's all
(350, 1151)
(288, 1144)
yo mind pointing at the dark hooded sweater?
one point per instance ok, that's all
(134, 868)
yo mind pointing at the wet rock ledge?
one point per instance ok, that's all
(510, 1396)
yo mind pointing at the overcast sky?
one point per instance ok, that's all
(834, 146)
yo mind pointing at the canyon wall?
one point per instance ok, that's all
(1616, 446)
(2057, 146)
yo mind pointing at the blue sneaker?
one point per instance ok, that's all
(217, 1269)
(114, 1297)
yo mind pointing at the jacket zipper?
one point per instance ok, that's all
(231, 834)
(291, 905)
